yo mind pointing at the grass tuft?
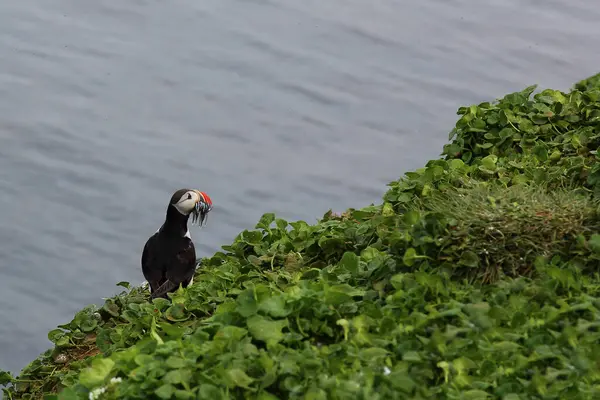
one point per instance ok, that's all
(507, 228)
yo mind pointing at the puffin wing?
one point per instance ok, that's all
(152, 267)
(163, 289)
(180, 271)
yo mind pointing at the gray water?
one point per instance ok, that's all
(292, 107)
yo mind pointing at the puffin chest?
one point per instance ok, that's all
(171, 248)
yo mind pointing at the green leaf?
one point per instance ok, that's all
(66, 394)
(265, 221)
(237, 378)
(541, 152)
(246, 303)
(178, 376)
(89, 325)
(161, 304)
(469, 259)
(372, 353)
(387, 210)
(5, 378)
(594, 243)
(232, 332)
(411, 356)
(402, 381)
(555, 156)
(485, 146)
(456, 164)
(266, 330)
(275, 306)
(165, 391)
(184, 395)
(281, 223)
(350, 262)
(411, 217)
(209, 392)
(59, 337)
(175, 362)
(97, 373)
(475, 395)
(511, 396)
(252, 238)
(266, 396)
(111, 307)
(410, 255)
(177, 313)
(489, 162)
(124, 284)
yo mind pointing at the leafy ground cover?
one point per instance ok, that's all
(476, 278)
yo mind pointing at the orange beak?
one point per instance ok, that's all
(205, 198)
(202, 207)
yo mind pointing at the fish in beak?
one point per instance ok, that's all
(201, 209)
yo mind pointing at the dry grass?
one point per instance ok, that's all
(508, 227)
(60, 362)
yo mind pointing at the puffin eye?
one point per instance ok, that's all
(189, 196)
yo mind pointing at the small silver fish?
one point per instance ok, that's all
(200, 213)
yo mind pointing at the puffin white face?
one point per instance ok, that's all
(192, 202)
(187, 202)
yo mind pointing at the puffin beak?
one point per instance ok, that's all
(202, 207)
(203, 198)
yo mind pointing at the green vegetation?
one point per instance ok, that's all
(476, 278)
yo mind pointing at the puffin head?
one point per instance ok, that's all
(192, 201)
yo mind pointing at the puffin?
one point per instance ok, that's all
(169, 256)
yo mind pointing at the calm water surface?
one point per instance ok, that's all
(292, 107)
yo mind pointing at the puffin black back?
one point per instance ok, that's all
(169, 256)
